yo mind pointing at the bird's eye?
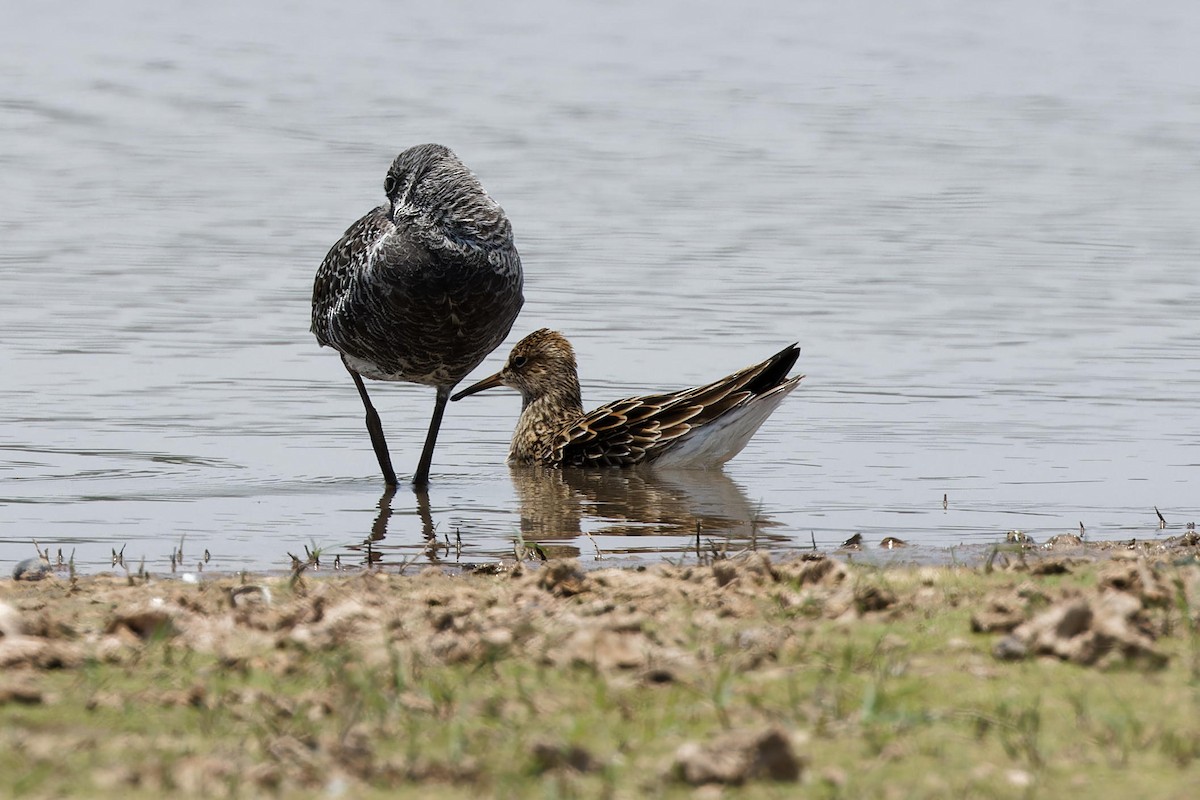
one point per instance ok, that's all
(389, 185)
(519, 361)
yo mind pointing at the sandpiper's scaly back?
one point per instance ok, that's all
(697, 428)
(421, 288)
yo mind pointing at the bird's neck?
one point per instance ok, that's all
(542, 418)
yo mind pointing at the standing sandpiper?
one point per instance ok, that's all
(420, 289)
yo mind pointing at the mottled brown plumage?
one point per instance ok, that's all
(699, 428)
(421, 288)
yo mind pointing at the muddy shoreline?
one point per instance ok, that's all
(848, 677)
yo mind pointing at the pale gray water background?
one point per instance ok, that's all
(981, 222)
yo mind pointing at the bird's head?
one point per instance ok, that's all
(543, 363)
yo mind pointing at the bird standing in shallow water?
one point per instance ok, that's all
(696, 428)
(420, 289)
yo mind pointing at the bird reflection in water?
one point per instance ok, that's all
(558, 507)
(561, 505)
(373, 555)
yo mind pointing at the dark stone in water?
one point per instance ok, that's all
(31, 569)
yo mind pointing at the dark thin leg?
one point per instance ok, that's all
(421, 478)
(375, 428)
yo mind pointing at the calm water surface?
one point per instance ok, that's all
(980, 223)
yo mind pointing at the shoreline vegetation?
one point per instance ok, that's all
(1035, 673)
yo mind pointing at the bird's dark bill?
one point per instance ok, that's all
(487, 383)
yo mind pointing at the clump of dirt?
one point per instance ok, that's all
(549, 756)
(869, 597)
(1097, 631)
(143, 623)
(562, 577)
(1004, 611)
(1102, 627)
(814, 571)
(739, 756)
(1138, 578)
(1190, 539)
(20, 689)
(1063, 541)
(33, 642)
(1050, 566)
(10, 622)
